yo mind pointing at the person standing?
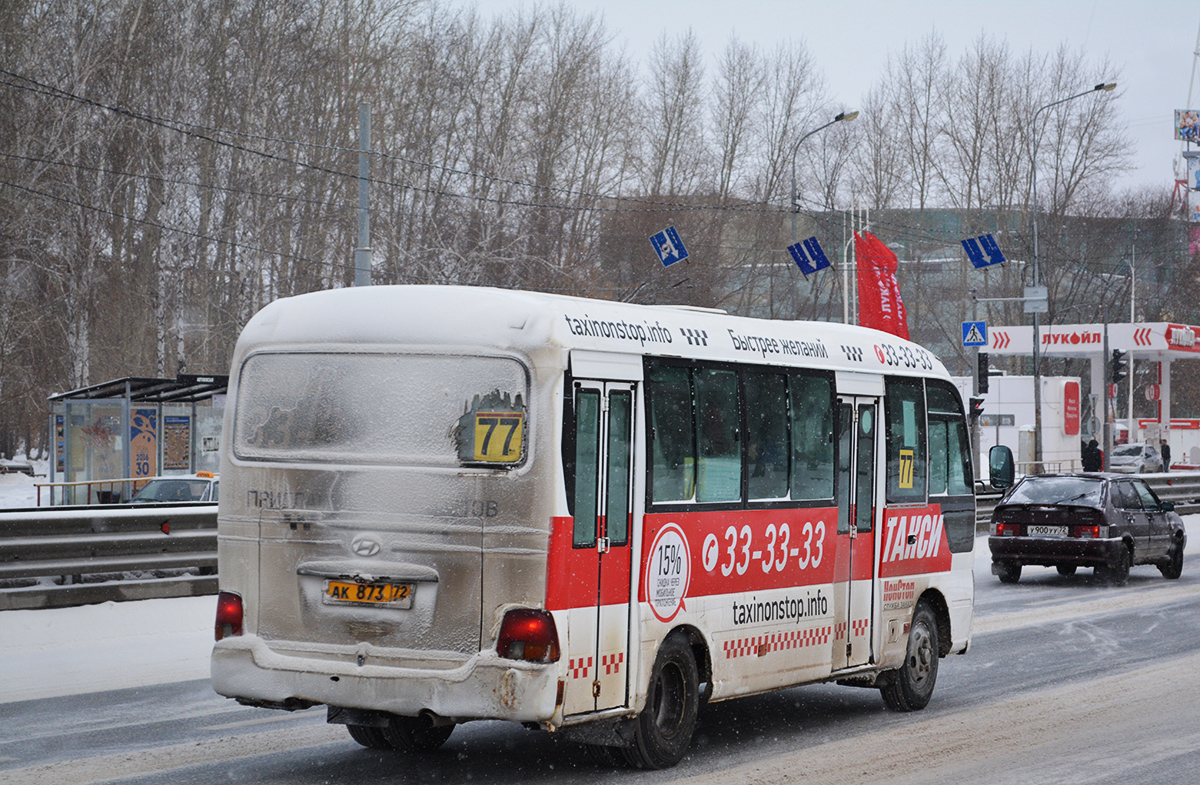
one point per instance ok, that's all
(1165, 450)
(1090, 457)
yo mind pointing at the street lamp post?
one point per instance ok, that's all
(1037, 348)
(795, 195)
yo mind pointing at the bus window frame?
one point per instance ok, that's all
(740, 368)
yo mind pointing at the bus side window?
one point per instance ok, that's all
(938, 464)
(719, 469)
(812, 437)
(673, 432)
(767, 435)
(905, 411)
(949, 446)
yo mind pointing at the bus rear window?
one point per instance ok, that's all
(405, 410)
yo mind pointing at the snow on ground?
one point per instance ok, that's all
(110, 646)
(16, 490)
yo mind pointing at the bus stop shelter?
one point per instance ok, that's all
(137, 427)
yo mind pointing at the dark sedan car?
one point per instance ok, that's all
(1105, 521)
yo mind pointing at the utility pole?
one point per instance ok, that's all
(362, 254)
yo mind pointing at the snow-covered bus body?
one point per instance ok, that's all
(444, 504)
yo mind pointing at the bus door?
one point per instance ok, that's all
(858, 424)
(599, 652)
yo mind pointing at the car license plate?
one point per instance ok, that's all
(1047, 531)
(390, 595)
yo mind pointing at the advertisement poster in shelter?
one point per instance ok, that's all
(143, 442)
(177, 443)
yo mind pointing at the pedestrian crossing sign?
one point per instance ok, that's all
(974, 334)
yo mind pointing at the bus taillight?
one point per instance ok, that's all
(229, 615)
(528, 634)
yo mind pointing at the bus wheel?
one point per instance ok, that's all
(369, 737)
(415, 734)
(663, 731)
(911, 685)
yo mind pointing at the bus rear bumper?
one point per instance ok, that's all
(484, 686)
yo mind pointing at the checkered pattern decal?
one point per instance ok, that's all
(612, 663)
(840, 632)
(580, 668)
(763, 644)
(860, 626)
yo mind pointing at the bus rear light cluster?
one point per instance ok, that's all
(528, 634)
(229, 615)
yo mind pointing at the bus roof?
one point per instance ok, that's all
(526, 322)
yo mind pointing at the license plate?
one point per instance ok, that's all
(1047, 531)
(390, 595)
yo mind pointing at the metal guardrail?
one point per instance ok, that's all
(57, 557)
(1180, 487)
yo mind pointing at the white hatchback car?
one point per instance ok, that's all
(198, 487)
(1135, 459)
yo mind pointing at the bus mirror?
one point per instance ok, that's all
(1000, 467)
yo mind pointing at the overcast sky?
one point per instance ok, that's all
(1152, 42)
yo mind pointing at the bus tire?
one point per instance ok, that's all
(911, 685)
(663, 730)
(368, 736)
(415, 734)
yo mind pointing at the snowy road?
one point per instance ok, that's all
(1067, 681)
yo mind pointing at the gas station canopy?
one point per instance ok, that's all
(1143, 340)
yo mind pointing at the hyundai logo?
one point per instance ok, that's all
(365, 546)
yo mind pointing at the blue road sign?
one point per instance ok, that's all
(974, 334)
(669, 247)
(983, 251)
(809, 256)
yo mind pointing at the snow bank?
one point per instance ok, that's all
(16, 490)
(110, 646)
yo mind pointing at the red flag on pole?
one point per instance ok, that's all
(879, 303)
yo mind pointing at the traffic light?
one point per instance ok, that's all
(983, 372)
(1119, 367)
(976, 409)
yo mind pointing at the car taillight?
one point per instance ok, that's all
(1008, 529)
(229, 615)
(1087, 531)
(528, 634)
